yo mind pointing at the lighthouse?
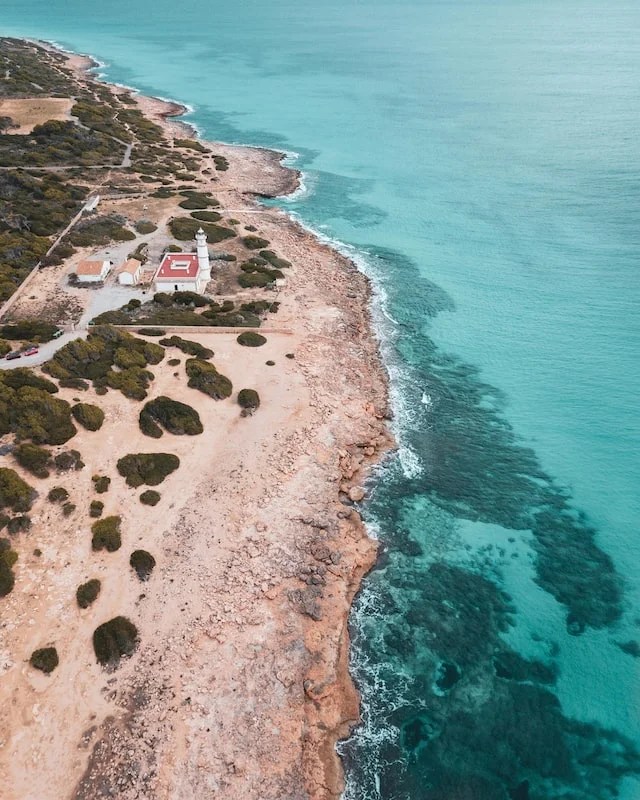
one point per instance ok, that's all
(204, 265)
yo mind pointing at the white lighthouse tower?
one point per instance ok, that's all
(204, 265)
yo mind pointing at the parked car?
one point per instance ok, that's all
(58, 333)
(12, 356)
(31, 351)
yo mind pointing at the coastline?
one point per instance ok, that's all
(318, 462)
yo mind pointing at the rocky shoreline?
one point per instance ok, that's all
(241, 685)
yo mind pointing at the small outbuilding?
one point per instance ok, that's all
(93, 271)
(130, 272)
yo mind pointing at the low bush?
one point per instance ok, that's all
(251, 339)
(22, 376)
(28, 330)
(163, 193)
(173, 362)
(147, 468)
(248, 399)
(272, 258)
(255, 280)
(8, 558)
(151, 332)
(290, 355)
(45, 659)
(191, 144)
(5, 348)
(206, 216)
(96, 508)
(143, 564)
(144, 226)
(106, 534)
(34, 459)
(149, 426)
(15, 493)
(67, 460)
(87, 593)
(197, 200)
(101, 483)
(114, 639)
(33, 413)
(270, 363)
(177, 418)
(98, 231)
(150, 497)
(188, 347)
(89, 416)
(222, 165)
(58, 494)
(74, 383)
(206, 378)
(184, 229)
(68, 509)
(254, 242)
(18, 525)
(189, 299)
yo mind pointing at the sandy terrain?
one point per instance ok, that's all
(239, 688)
(26, 113)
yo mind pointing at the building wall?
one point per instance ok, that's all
(184, 286)
(129, 279)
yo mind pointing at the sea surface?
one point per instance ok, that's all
(481, 161)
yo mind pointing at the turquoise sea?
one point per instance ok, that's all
(481, 160)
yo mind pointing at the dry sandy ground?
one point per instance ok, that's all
(29, 112)
(240, 687)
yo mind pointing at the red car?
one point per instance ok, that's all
(31, 351)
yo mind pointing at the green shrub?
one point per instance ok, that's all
(270, 363)
(14, 492)
(289, 355)
(147, 468)
(251, 339)
(68, 459)
(101, 483)
(206, 378)
(106, 534)
(89, 416)
(189, 299)
(45, 659)
(5, 348)
(188, 347)
(173, 362)
(177, 418)
(222, 165)
(163, 299)
(33, 413)
(114, 639)
(74, 383)
(150, 497)
(254, 242)
(197, 200)
(58, 494)
(28, 330)
(272, 258)
(98, 231)
(8, 558)
(18, 525)
(143, 563)
(184, 229)
(151, 331)
(144, 226)
(163, 193)
(22, 376)
(255, 280)
(68, 509)
(132, 382)
(34, 459)
(248, 399)
(96, 508)
(148, 426)
(206, 216)
(191, 144)
(88, 592)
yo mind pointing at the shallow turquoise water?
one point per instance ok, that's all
(482, 158)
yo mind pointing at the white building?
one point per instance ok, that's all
(130, 272)
(185, 272)
(93, 271)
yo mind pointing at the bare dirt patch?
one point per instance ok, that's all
(31, 111)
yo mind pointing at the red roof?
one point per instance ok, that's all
(177, 266)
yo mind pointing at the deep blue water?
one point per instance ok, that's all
(482, 160)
